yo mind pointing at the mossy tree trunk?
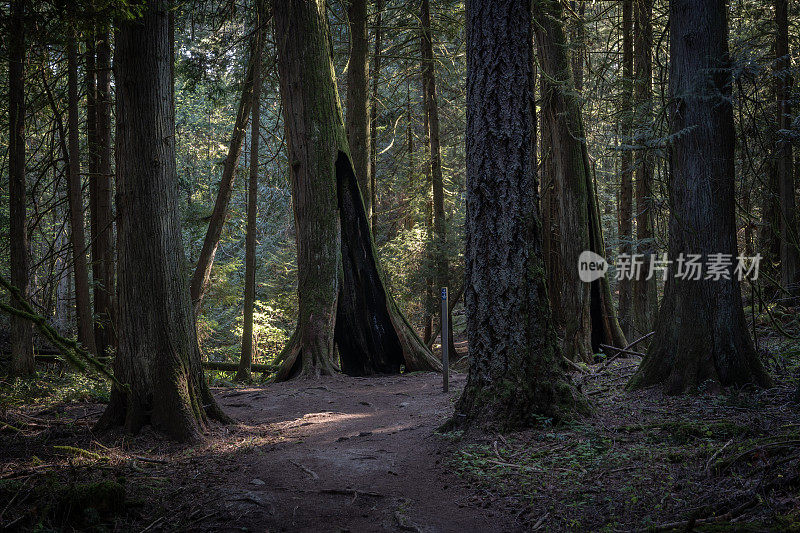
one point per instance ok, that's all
(342, 297)
(588, 310)
(701, 335)
(373, 114)
(158, 355)
(22, 362)
(515, 373)
(358, 117)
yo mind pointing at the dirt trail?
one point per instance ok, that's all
(348, 454)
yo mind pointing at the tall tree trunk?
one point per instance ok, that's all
(626, 166)
(551, 242)
(248, 346)
(202, 271)
(99, 195)
(83, 304)
(103, 233)
(373, 113)
(441, 278)
(158, 357)
(515, 373)
(342, 296)
(701, 334)
(790, 260)
(579, 43)
(358, 115)
(22, 362)
(429, 260)
(645, 296)
(589, 315)
(408, 219)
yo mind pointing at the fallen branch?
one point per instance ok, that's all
(620, 351)
(626, 349)
(306, 469)
(233, 367)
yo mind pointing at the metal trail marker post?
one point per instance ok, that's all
(445, 342)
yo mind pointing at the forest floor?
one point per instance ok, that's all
(364, 454)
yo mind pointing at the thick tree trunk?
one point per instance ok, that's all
(158, 355)
(83, 304)
(645, 296)
(373, 114)
(515, 374)
(22, 362)
(202, 271)
(248, 346)
(701, 335)
(358, 116)
(589, 315)
(625, 222)
(790, 260)
(342, 297)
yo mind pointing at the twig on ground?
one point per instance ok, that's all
(306, 469)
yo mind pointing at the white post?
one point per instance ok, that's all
(445, 341)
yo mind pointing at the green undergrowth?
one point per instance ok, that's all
(50, 388)
(639, 471)
(53, 505)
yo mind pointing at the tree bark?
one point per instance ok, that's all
(158, 356)
(358, 116)
(515, 375)
(551, 241)
(83, 305)
(373, 120)
(98, 135)
(645, 296)
(790, 262)
(342, 296)
(589, 315)
(625, 222)
(202, 271)
(248, 346)
(22, 362)
(701, 335)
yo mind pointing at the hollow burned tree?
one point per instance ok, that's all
(343, 301)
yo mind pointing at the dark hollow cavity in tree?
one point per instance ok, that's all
(364, 333)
